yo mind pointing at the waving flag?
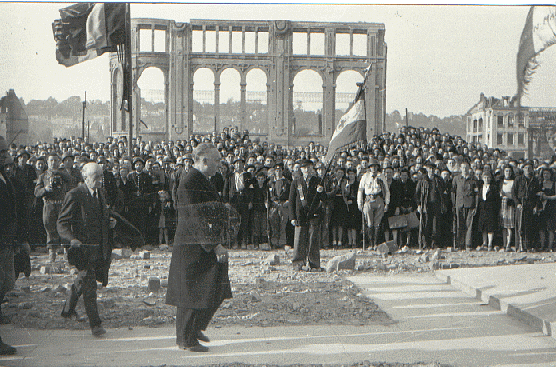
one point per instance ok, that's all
(88, 30)
(351, 128)
(538, 34)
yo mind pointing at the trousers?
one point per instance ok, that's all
(7, 272)
(306, 243)
(85, 284)
(189, 322)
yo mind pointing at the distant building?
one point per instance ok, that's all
(14, 123)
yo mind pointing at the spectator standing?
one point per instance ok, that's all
(526, 188)
(508, 207)
(51, 187)
(8, 229)
(465, 191)
(489, 209)
(280, 215)
(373, 198)
(547, 217)
(306, 195)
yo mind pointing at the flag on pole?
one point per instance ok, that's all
(351, 128)
(538, 34)
(87, 30)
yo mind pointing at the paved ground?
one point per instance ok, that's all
(433, 322)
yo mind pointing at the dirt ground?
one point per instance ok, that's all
(263, 294)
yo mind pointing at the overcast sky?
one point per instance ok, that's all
(440, 58)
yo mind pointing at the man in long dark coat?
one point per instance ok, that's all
(198, 278)
(8, 228)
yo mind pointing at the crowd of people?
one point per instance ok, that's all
(414, 187)
(455, 189)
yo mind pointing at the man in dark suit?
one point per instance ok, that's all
(465, 191)
(8, 229)
(198, 277)
(306, 211)
(85, 223)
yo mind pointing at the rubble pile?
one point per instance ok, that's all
(267, 291)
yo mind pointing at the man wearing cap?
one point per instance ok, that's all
(26, 175)
(525, 190)
(237, 194)
(373, 198)
(8, 233)
(73, 173)
(279, 189)
(51, 187)
(139, 205)
(306, 195)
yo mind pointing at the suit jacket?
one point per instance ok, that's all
(305, 201)
(465, 191)
(87, 219)
(525, 191)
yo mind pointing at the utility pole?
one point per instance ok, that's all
(83, 117)
(406, 119)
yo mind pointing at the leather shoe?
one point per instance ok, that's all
(199, 348)
(98, 331)
(202, 337)
(7, 350)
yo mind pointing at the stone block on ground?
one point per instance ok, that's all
(145, 255)
(343, 262)
(163, 247)
(383, 249)
(265, 246)
(273, 259)
(392, 246)
(436, 255)
(154, 284)
(121, 253)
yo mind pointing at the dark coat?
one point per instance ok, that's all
(305, 201)
(196, 279)
(8, 212)
(465, 192)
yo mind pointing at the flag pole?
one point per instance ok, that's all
(129, 74)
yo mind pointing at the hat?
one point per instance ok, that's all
(305, 162)
(188, 157)
(101, 159)
(238, 159)
(22, 152)
(138, 159)
(319, 165)
(374, 162)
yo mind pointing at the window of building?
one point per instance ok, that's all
(500, 121)
(510, 139)
(474, 126)
(520, 139)
(510, 121)
(520, 121)
(499, 139)
(481, 124)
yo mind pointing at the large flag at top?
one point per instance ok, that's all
(538, 34)
(351, 128)
(88, 30)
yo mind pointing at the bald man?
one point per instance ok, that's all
(85, 223)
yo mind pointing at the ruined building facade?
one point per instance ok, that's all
(245, 46)
(14, 123)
